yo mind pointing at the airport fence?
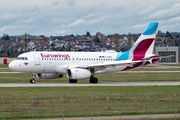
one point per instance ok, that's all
(37, 108)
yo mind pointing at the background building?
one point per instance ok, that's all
(166, 51)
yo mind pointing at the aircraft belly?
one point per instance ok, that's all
(115, 69)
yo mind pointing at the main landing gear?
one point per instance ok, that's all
(72, 81)
(32, 80)
(93, 80)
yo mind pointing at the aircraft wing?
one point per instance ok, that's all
(109, 64)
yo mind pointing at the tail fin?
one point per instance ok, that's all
(145, 43)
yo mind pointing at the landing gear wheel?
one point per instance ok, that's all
(72, 80)
(93, 80)
(32, 81)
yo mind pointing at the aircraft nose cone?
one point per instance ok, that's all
(11, 65)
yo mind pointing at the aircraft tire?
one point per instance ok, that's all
(93, 80)
(72, 81)
(32, 81)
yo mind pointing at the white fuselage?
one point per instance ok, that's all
(57, 62)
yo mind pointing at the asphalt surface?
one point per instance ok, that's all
(136, 117)
(88, 84)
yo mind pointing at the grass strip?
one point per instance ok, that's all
(113, 77)
(77, 102)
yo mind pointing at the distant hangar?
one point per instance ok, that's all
(166, 51)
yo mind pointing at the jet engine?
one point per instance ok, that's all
(76, 73)
(48, 75)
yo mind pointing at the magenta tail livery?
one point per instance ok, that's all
(82, 65)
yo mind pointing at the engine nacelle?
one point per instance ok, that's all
(76, 73)
(48, 75)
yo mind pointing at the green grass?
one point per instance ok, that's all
(3, 66)
(6, 70)
(113, 77)
(77, 102)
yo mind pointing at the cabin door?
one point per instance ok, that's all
(37, 59)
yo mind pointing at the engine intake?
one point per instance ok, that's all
(76, 73)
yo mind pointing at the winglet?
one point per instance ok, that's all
(152, 27)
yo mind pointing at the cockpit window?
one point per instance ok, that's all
(21, 58)
(18, 58)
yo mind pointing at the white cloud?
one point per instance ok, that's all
(77, 22)
(62, 17)
(139, 26)
(27, 21)
(144, 12)
(166, 13)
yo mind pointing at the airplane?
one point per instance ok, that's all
(83, 65)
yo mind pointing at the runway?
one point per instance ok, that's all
(88, 84)
(120, 72)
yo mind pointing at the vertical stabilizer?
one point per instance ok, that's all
(145, 43)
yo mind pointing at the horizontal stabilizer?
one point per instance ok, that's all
(151, 58)
(158, 57)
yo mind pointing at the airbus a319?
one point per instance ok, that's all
(83, 65)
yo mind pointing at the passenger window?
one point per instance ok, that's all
(22, 58)
(26, 58)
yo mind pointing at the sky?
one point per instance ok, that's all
(64, 17)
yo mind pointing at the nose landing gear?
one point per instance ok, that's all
(32, 80)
